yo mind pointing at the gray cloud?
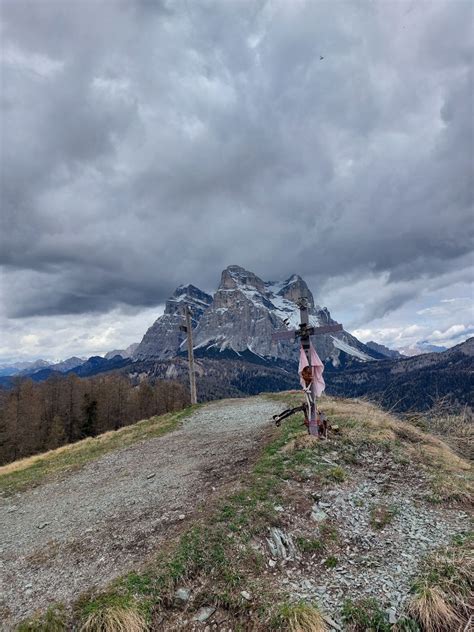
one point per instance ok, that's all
(147, 144)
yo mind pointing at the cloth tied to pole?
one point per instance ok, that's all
(317, 385)
(314, 389)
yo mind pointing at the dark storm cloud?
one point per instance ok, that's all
(147, 144)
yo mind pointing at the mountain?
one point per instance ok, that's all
(67, 365)
(411, 383)
(124, 353)
(246, 311)
(8, 370)
(420, 347)
(97, 364)
(86, 368)
(238, 322)
(385, 351)
(164, 338)
(220, 377)
(61, 367)
(20, 368)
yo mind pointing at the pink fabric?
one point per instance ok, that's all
(318, 384)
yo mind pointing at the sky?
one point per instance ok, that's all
(147, 144)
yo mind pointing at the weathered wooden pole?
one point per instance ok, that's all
(192, 376)
(304, 328)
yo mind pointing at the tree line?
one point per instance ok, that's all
(35, 417)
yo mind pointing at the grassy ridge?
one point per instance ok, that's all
(218, 561)
(216, 556)
(34, 470)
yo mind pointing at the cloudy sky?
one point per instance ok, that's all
(149, 143)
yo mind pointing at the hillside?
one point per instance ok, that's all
(228, 521)
(414, 383)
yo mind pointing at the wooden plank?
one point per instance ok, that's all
(326, 329)
(312, 331)
(283, 335)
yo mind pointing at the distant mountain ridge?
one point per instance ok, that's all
(421, 347)
(124, 353)
(385, 351)
(22, 369)
(412, 383)
(16, 368)
(92, 366)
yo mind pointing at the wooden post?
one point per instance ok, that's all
(192, 376)
(304, 325)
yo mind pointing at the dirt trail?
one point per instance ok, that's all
(79, 532)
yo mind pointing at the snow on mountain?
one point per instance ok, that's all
(66, 365)
(343, 346)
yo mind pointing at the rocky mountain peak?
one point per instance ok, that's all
(164, 338)
(293, 289)
(247, 310)
(189, 295)
(234, 277)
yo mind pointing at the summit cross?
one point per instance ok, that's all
(316, 424)
(304, 331)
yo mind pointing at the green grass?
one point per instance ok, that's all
(331, 562)
(309, 545)
(53, 620)
(365, 615)
(34, 470)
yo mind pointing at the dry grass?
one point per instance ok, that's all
(365, 423)
(53, 620)
(303, 617)
(433, 612)
(114, 619)
(455, 429)
(128, 432)
(443, 594)
(300, 443)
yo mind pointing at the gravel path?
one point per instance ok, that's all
(82, 531)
